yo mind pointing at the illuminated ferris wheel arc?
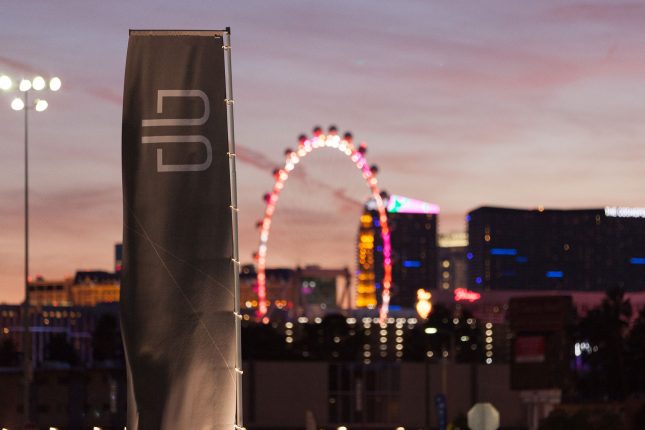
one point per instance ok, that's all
(306, 145)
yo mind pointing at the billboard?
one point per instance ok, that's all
(541, 345)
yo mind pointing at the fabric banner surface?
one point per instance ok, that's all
(177, 290)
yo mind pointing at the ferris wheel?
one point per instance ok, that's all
(307, 145)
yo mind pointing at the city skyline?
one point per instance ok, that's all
(509, 104)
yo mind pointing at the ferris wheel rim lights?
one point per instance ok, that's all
(292, 157)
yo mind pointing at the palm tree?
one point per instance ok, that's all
(605, 328)
(8, 352)
(106, 340)
(60, 351)
(636, 354)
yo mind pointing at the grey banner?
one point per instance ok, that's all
(177, 290)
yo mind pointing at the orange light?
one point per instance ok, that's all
(424, 306)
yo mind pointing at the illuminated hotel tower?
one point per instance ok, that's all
(365, 285)
(554, 249)
(413, 229)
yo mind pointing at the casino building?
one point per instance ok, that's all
(413, 229)
(557, 250)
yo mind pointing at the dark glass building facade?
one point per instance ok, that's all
(414, 256)
(573, 250)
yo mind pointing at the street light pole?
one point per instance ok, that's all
(26, 338)
(38, 84)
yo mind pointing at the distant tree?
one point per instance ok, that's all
(459, 423)
(332, 339)
(585, 419)
(458, 333)
(605, 328)
(59, 350)
(468, 339)
(8, 352)
(434, 335)
(560, 420)
(638, 418)
(106, 339)
(440, 319)
(262, 341)
(337, 343)
(636, 355)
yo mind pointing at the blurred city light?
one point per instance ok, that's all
(423, 306)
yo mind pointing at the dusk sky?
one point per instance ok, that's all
(462, 104)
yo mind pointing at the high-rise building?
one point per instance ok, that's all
(413, 237)
(365, 271)
(583, 250)
(453, 264)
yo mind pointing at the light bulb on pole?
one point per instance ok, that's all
(38, 83)
(17, 104)
(39, 105)
(5, 82)
(54, 84)
(25, 85)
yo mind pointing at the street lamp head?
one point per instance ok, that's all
(41, 105)
(17, 104)
(54, 84)
(38, 83)
(5, 82)
(25, 85)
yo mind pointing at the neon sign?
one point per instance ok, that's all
(400, 204)
(462, 294)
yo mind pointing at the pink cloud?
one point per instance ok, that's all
(254, 158)
(17, 65)
(618, 11)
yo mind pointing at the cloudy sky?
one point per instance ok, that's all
(461, 103)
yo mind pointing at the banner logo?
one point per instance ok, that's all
(175, 122)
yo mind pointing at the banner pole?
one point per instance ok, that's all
(239, 419)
